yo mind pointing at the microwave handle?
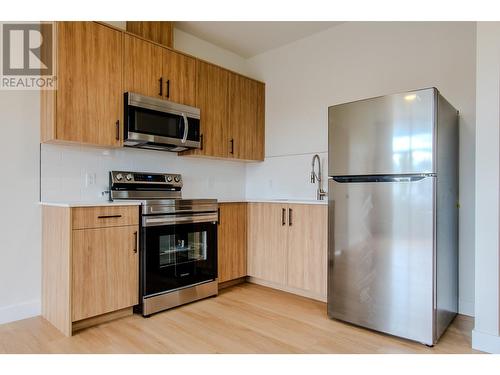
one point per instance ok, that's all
(186, 128)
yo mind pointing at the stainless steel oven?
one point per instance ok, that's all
(178, 240)
(160, 124)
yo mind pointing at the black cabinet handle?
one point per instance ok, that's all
(161, 86)
(201, 141)
(168, 88)
(117, 135)
(232, 146)
(218, 216)
(290, 217)
(283, 219)
(135, 242)
(108, 216)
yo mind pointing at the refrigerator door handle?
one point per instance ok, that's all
(380, 178)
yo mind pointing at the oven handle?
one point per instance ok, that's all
(171, 220)
(171, 210)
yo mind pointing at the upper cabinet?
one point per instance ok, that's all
(211, 99)
(155, 71)
(246, 120)
(232, 114)
(98, 63)
(161, 32)
(179, 73)
(87, 106)
(142, 62)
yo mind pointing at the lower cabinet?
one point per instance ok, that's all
(267, 241)
(232, 241)
(287, 247)
(90, 265)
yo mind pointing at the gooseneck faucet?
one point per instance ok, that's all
(320, 194)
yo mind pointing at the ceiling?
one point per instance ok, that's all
(251, 38)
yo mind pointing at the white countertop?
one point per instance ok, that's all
(90, 203)
(291, 201)
(137, 203)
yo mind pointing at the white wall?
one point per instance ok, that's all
(358, 60)
(20, 257)
(487, 323)
(207, 51)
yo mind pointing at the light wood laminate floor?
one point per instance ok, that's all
(246, 318)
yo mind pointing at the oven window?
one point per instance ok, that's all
(178, 255)
(178, 248)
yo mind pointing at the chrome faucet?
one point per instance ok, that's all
(320, 194)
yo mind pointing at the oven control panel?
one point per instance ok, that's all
(122, 177)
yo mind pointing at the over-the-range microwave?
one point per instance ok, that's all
(160, 124)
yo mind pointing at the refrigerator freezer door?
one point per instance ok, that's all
(381, 256)
(391, 134)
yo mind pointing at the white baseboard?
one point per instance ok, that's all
(20, 311)
(466, 307)
(485, 342)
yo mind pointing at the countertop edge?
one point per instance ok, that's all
(90, 204)
(282, 201)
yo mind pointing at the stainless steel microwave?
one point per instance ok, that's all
(160, 124)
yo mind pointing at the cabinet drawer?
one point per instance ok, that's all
(107, 216)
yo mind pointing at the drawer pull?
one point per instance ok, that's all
(108, 216)
(135, 242)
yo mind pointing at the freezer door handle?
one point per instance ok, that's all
(379, 178)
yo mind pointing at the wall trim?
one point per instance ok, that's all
(20, 311)
(485, 342)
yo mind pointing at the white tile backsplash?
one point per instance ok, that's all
(284, 177)
(65, 169)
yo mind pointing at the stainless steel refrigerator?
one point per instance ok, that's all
(393, 214)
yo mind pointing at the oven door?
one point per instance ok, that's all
(178, 255)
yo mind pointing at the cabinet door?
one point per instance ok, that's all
(240, 115)
(105, 270)
(257, 136)
(89, 94)
(212, 100)
(179, 74)
(142, 62)
(232, 241)
(245, 124)
(307, 247)
(267, 241)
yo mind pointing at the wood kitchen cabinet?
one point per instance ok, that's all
(232, 114)
(179, 72)
(143, 67)
(159, 72)
(90, 265)
(246, 120)
(287, 247)
(87, 106)
(211, 99)
(232, 241)
(267, 241)
(307, 247)
(161, 32)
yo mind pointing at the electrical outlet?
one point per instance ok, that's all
(90, 179)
